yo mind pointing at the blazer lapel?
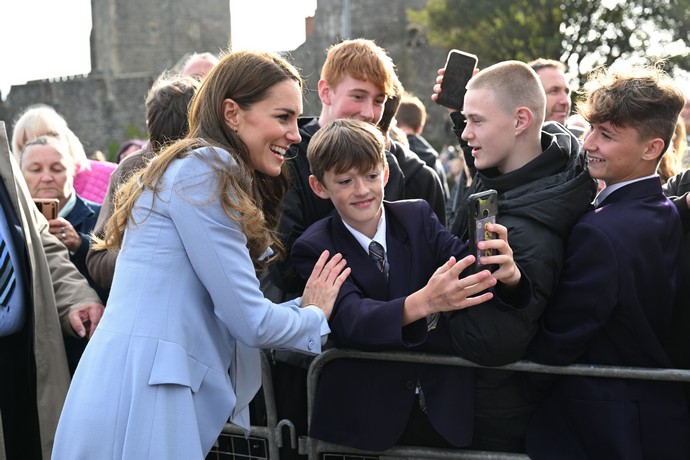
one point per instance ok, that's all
(635, 191)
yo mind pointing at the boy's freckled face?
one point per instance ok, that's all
(357, 196)
(352, 98)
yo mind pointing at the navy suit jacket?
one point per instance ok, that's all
(613, 306)
(367, 404)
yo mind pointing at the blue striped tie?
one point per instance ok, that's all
(7, 278)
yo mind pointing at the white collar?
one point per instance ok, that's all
(379, 237)
(610, 189)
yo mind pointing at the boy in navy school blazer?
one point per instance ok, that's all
(615, 300)
(374, 405)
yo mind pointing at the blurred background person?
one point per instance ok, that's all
(672, 161)
(552, 76)
(410, 119)
(577, 125)
(166, 120)
(92, 176)
(685, 114)
(128, 147)
(49, 171)
(198, 65)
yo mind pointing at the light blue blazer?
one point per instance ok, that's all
(176, 352)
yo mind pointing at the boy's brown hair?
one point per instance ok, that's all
(643, 98)
(411, 112)
(346, 144)
(363, 60)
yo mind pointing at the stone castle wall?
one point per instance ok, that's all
(133, 41)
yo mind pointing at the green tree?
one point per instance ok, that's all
(582, 33)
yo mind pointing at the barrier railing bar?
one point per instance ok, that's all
(410, 452)
(590, 370)
(312, 446)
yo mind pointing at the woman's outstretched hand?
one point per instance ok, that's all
(325, 281)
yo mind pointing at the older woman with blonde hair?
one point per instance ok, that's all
(49, 171)
(92, 177)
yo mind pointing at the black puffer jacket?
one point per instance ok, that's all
(538, 203)
(420, 180)
(429, 155)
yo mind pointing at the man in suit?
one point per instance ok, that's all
(50, 299)
(622, 271)
(393, 302)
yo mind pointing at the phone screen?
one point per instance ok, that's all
(482, 211)
(458, 71)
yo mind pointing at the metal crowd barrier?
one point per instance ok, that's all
(314, 447)
(264, 441)
(272, 433)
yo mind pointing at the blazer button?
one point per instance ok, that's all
(410, 385)
(310, 345)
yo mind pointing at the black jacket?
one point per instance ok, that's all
(302, 207)
(678, 342)
(676, 188)
(429, 155)
(420, 180)
(83, 218)
(538, 204)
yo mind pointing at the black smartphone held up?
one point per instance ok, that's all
(458, 71)
(482, 211)
(48, 207)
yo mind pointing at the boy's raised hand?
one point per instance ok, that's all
(446, 291)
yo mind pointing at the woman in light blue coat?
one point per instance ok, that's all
(177, 351)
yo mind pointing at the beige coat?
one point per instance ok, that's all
(57, 286)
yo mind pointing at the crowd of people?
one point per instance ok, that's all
(131, 321)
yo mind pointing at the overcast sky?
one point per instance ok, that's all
(50, 38)
(43, 39)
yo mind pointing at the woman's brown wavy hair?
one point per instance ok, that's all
(251, 198)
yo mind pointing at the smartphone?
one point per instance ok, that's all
(482, 211)
(48, 207)
(458, 71)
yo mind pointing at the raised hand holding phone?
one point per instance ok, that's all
(482, 212)
(459, 68)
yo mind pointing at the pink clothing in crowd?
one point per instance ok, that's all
(92, 184)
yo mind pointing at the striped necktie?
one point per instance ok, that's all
(7, 278)
(378, 255)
